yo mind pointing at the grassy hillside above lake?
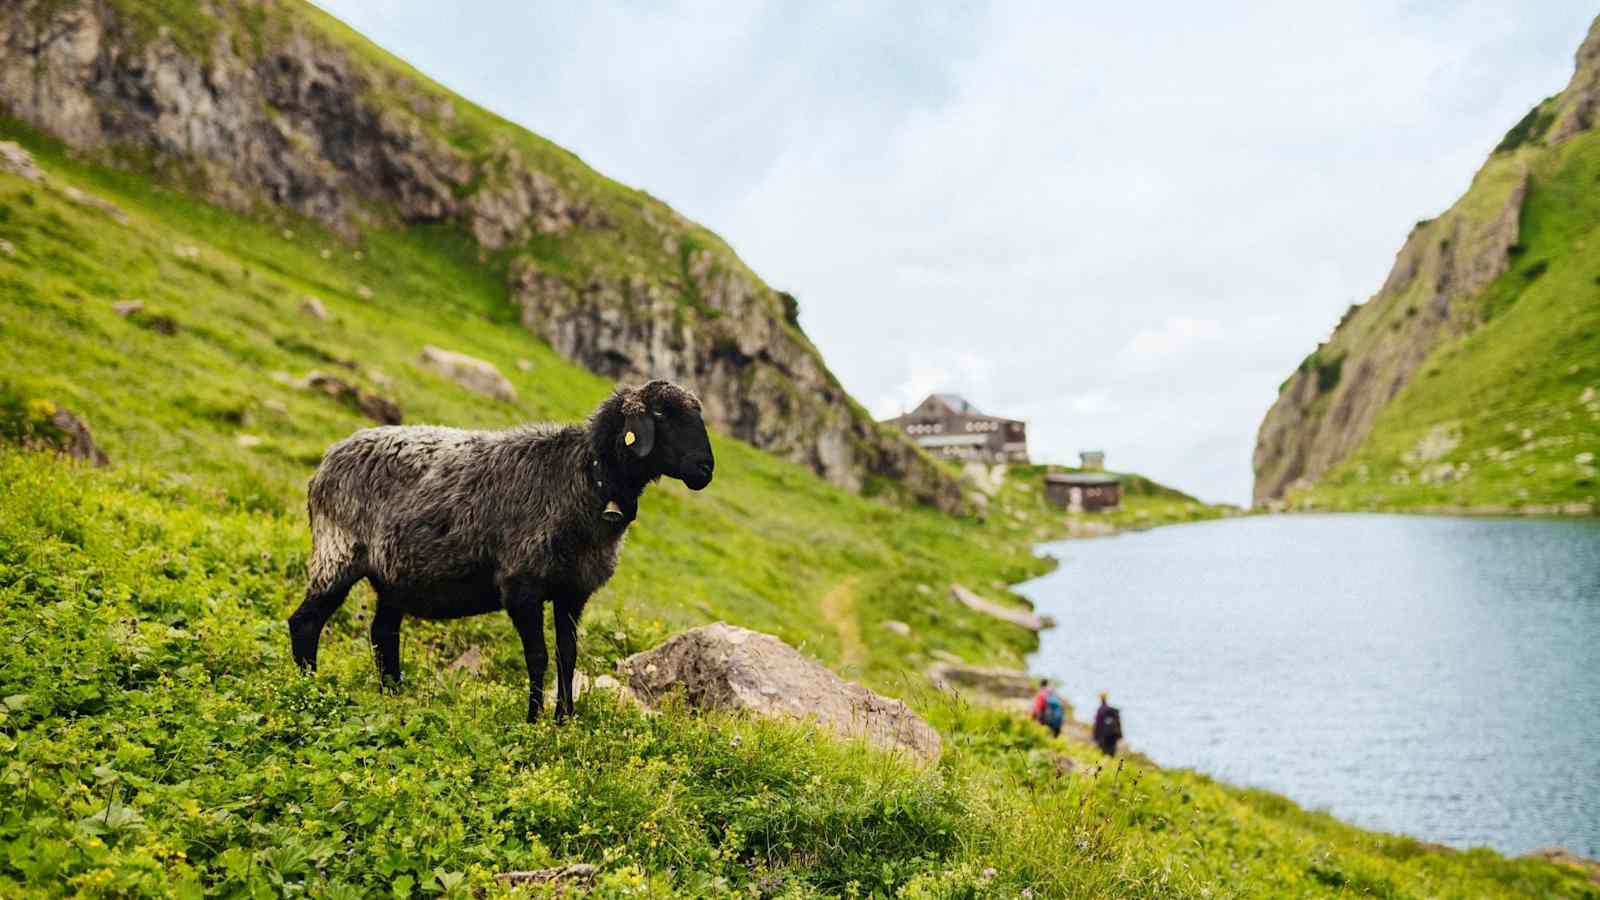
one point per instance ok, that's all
(1508, 416)
(1470, 381)
(155, 739)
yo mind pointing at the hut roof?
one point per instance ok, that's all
(1082, 478)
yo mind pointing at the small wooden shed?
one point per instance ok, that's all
(1084, 491)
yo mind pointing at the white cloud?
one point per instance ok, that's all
(1155, 348)
(937, 371)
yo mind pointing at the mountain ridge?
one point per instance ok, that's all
(276, 105)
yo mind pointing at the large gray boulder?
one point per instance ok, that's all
(722, 666)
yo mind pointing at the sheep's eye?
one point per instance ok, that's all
(657, 413)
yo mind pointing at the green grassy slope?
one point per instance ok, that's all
(1508, 416)
(155, 740)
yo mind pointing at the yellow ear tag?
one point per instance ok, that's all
(628, 439)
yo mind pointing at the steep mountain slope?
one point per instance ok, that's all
(1468, 379)
(273, 105)
(155, 739)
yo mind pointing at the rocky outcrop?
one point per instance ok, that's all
(721, 330)
(297, 122)
(1327, 407)
(722, 666)
(1579, 105)
(261, 106)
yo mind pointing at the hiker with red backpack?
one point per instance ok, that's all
(1049, 709)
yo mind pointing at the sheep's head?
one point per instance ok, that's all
(662, 428)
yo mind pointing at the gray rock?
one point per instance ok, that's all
(84, 198)
(313, 307)
(1019, 617)
(897, 627)
(60, 430)
(722, 666)
(473, 374)
(18, 161)
(470, 660)
(127, 308)
(379, 409)
(1000, 684)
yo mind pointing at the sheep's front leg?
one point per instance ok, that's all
(566, 616)
(526, 609)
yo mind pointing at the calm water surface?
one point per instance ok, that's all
(1433, 676)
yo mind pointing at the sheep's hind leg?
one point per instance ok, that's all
(386, 642)
(305, 625)
(526, 610)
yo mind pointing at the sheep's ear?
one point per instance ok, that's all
(639, 434)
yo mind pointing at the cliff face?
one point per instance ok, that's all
(1433, 295)
(273, 106)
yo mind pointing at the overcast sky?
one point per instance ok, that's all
(1124, 223)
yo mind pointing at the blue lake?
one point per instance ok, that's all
(1438, 677)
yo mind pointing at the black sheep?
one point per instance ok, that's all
(447, 523)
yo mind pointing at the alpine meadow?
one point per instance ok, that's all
(232, 234)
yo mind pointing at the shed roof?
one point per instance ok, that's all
(1082, 478)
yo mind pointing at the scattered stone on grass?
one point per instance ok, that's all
(374, 407)
(897, 627)
(1000, 684)
(127, 308)
(1019, 617)
(18, 161)
(160, 323)
(84, 198)
(471, 659)
(313, 307)
(471, 373)
(52, 427)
